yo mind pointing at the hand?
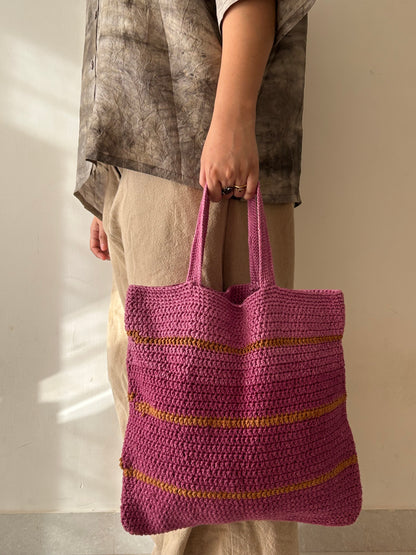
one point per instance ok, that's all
(230, 155)
(98, 240)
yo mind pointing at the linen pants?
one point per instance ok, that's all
(150, 224)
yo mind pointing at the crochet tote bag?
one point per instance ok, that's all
(237, 400)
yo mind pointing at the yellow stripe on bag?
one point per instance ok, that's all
(134, 472)
(230, 422)
(221, 348)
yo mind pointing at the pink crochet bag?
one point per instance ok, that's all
(237, 400)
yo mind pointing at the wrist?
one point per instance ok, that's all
(228, 110)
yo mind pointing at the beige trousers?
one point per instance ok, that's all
(150, 224)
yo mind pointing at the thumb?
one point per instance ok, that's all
(202, 178)
(252, 181)
(103, 238)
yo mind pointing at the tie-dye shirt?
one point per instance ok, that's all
(149, 77)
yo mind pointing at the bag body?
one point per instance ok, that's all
(237, 400)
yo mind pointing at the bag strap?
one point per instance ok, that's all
(260, 254)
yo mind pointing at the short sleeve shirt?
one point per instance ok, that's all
(149, 77)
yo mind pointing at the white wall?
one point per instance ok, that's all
(59, 433)
(355, 231)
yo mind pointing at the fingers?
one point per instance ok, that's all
(98, 240)
(211, 180)
(217, 180)
(242, 188)
(215, 188)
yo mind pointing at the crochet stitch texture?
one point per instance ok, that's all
(237, 400)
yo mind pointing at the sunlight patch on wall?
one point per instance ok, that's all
(39, 91)
(80, 386)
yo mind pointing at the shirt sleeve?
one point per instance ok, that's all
(289, 13)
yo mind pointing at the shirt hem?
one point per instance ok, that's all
(187, 180)
(164, 173)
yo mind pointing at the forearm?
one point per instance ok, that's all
(248, 31)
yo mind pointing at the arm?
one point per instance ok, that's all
(230, 154)
(248, 32)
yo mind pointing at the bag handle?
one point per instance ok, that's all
(260, 254)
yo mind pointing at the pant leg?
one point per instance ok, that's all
(116, 335)
(150, 225)
(281, 230)
(261, 537)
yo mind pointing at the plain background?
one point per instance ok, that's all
(355, 231)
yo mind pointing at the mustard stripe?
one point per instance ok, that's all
(170, 488)
(229, 422)
(221, 348)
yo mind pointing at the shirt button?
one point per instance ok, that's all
(92, 64)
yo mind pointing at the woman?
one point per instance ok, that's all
(148, 221)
